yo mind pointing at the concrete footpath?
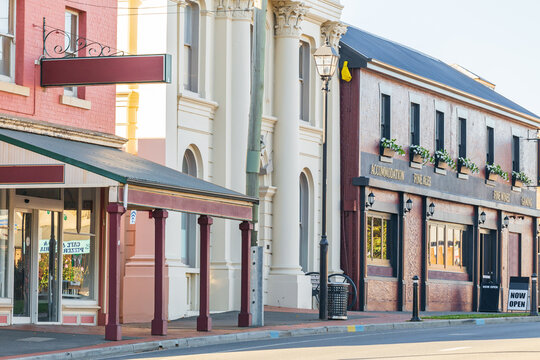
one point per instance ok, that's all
(87, 342)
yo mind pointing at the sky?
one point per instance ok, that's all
(499, 40)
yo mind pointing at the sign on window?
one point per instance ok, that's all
(71, 247)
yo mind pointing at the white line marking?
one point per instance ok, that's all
(456, 348)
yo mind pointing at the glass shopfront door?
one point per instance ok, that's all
(36, 291)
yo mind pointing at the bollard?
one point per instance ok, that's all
(534, 305)
(415, 316)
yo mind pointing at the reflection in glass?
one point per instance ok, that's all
(49, 238)
(3, 253)
(22, 264)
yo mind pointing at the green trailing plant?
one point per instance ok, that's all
(469, 164)
(444, 156)
(520, 175)
(392, 145)
(496, 169)
(422, 152)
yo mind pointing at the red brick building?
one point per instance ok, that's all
(443, 211)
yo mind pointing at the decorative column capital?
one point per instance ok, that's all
(333, 30)
(237, 9)
(289, 15)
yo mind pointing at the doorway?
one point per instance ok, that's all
(36, 290)
(488, 264)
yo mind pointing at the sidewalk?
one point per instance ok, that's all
(73, 342)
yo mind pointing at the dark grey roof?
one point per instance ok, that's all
(116, 164)
(359, 47)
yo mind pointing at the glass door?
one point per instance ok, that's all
(22, 267)
(48, 260)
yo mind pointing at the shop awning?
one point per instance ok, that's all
(151, 185)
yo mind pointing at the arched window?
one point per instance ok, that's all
(191, 47)
(304, 222)
(189, 221)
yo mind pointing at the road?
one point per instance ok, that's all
(501, 341)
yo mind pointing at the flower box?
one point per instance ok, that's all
(517, 182)
(491, 175)
(440, 164)
(387, 152)
(464, 170)
(417, 158)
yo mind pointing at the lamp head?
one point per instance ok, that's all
(326, 60)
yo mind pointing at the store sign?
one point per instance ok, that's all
(501, 196)
(70, 247)
(525, 201)
(422, 179)
(387, 172)
(518, 293)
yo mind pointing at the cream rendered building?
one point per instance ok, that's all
(199, 123)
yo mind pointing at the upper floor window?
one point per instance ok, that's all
(72, 31)
(385, 116)
(415, 124)
(304, 71)
(439, 130)
(515, 154)
(462, 137)
(490, 146)
(7, 40)
(191, 47)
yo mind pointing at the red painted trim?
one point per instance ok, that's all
(70, 319)
(159, 323)
(104, 70)
(204, 321)
(196, 206)
(244, 318)
(102, 312)
(32, 174)
(88, 319)
(3, 319)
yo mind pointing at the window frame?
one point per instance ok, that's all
(434, 228)
(191, 46)
(462, 137)
(414, 124)
(490, 145)
(71, 90)
(304, 74)
(516, 164)
(439, 130)
(386, 116)
(389, 239)
(12, 26)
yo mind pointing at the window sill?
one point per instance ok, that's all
(440, 171)
(75, 102)
(14, 88)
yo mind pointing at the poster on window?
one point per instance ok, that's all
(71, 247)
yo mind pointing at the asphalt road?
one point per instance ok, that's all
(501, 341)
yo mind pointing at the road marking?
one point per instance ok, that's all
(35, 339)
(456, 348)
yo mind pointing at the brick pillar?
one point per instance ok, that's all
(113, 329)
(244, 318)
(159, 323)
(204, 321)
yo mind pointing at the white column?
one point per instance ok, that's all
(287, 284)
(333, 30)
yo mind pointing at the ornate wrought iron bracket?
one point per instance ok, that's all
(58, 43)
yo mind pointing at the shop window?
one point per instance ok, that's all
(4, 249)
(439, 130)
(462, 137)
(385, 116)
(72, 35)
(304, 71)
(490, 146)
(191, 47)
(447, 247)
(415, 124)
(379, 239)
(7, 40)
(79, 244)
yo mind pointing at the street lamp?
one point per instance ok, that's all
(326, 59)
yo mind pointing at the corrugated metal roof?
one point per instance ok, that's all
(116, 164)
(359, 47)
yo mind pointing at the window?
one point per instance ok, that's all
(447, 247)
(191, 47)
(188, 231)
(415, 124)
(4, 244)
(7, 40)
(439, 130)
(304, 222)
(490, 146)
(304, 71)
(379, 239)
(515, 153)
(462, 137)
(79, 244)
(72, 34)
(385, 116)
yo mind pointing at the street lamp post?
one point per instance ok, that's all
(326, 59)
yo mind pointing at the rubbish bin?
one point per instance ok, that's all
(338, 294)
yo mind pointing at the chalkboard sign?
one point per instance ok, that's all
(489, 297)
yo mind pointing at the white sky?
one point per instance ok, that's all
(498, 40)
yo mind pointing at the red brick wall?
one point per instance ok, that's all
(44, 104)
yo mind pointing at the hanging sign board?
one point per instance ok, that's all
(518, 293)
(103, 70)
